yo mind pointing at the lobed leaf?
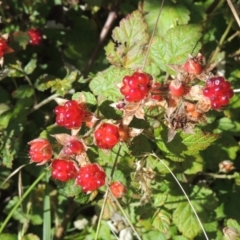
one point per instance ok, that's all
(129, 42)
(104, 85)
(172, 15)
(176, 45)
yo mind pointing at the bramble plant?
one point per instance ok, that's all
(132, 135)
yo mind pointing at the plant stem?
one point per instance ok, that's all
(107, 192)
(234, 12)
(21, 200)
(221, 42)
(45, 101)
(153, 33)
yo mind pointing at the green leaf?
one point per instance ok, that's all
(30, 67)
(8, 236)
(130, 40)
(88, 97)
(198, 141)
(185, 220)
(60, 86)
(104, 85)
(15, 70)
(233, 223)
(161, 221)
(30, 236)
(21, 39)
(23, 91)
(172, 15)
(70, 189)
(154, 235)
(117, 175)
(176, 45)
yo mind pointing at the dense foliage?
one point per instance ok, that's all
(109, 131)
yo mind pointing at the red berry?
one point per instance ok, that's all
(35, 36)
(40, 150)
(90, 177)
(63, 170)
(192, 66)
(136, 87)
(73, 147)
(107, 136)
(3, 46)
(70, 115)
(219, 92)
(176, 88)
(117, 189)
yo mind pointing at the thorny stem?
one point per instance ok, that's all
(107, 192)
(153, 33)
(190, 203)
(234, 12)
(106, 28)
(221, 42)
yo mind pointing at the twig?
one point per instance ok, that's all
(234, 12)
(221, 42)
(106, 28)
(220, 176)
(68, 214)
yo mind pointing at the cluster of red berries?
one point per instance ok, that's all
(70, 115)
(136, 87)
(219, 92)
(35, 36)
(3, 46)
(89, 176)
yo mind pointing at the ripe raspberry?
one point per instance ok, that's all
(90, 177)
(63, 170)
(40, 150)
(70, 115)
(3, 46)
(219, 92)
(136, 87)
(192, 66)
(35, 36)
(118, 189)
(73, 147)
(176, 88)
(107, 136)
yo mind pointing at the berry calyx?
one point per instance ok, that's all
(70, 115)
(107, 136)
(90, 177)
(35, 36)
(40, 150)
(136, 87)
(219, 92)
(63, 170)
(176, 88)
(117, 189)
(73, 147)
